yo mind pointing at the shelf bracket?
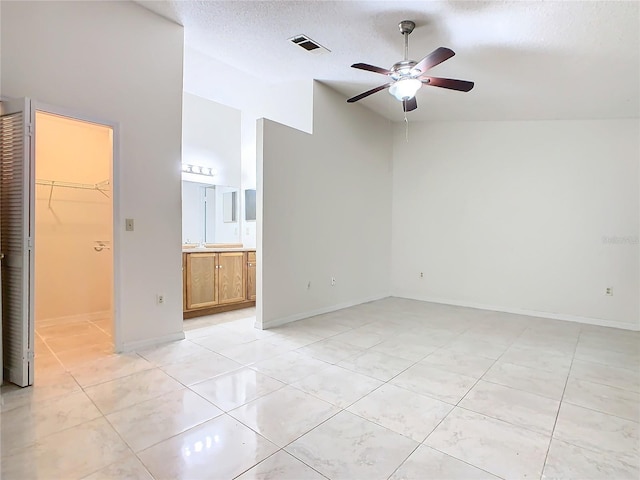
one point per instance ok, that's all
(51, 193)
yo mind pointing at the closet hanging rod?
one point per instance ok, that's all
(102, 186)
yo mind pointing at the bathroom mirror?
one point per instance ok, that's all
(209, 213)
(229, 208)
(250, 204)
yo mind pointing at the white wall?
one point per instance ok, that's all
(226, 232)
(120, 62)
(211, 138)
(515, 216)
(325, 210)
(290, 103)
(193, 213)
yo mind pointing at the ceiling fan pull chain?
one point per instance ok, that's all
(406, 122)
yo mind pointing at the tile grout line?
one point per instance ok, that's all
(566, 382)
(169, 437)
(236, 407)
(108, 334)
(274, 453)
(435, 427)
(601, 412)
(448, 413)
(104, 417)
(495, 361)
(101, 413)
(405, 460)
(341, 409)
(502, 420)
(600, 364)
(46, 344)
(152, 367)
(457, 405)
(329, 418)
(448, 455)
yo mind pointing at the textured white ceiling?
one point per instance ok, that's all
(530, 60)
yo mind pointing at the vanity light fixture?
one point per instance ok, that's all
(198, 170)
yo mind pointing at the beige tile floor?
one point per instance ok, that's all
(394, 389)
(63, 345)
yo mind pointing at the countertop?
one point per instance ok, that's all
(217, 249)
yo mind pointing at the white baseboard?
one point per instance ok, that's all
(519, 311)
(276, 322)
(150, 342)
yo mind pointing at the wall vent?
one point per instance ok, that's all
(308, 44)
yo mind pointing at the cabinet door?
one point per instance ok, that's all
(201, 280)
(231, 283)
(251, 275)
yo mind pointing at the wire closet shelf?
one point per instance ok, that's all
(102, 187)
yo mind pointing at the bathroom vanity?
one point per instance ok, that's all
(217, 279)
(219, 274)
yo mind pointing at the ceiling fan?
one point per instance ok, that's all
(408, 75)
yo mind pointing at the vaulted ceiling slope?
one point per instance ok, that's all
(530, 60)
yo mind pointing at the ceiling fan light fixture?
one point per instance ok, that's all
(405, 89)
(407, 76)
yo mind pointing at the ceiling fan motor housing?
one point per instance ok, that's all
(406, 26)
(404, 69)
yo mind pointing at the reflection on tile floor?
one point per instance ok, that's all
(393, 389)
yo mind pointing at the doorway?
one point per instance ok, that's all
(73, 258)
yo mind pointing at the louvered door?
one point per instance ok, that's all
(16, 218)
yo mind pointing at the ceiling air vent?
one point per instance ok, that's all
(308, 44)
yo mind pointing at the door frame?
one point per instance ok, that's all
(37, 106)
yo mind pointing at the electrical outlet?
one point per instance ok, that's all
(160, 299)
(609, 291)
(128, 224)
(333, 281)
(421, 275)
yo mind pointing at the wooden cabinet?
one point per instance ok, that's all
(218, 281)
(201, 280)
(251, 275)
(231, 277)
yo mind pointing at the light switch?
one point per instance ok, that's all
(128, 224)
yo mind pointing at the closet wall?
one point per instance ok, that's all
(72, 279)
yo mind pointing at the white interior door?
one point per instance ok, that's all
(16, 233)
